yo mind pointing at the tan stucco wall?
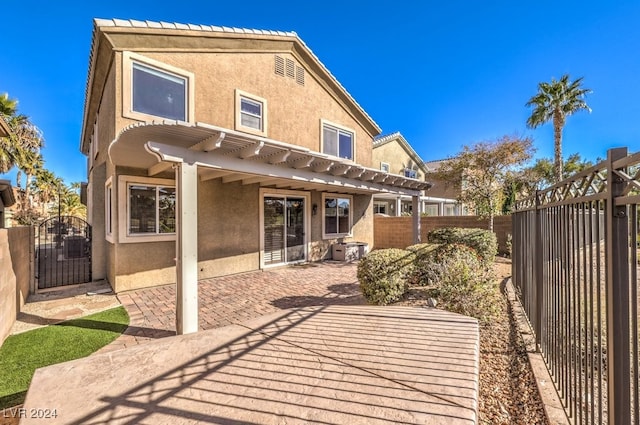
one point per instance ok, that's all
(16, 270)
(293, 111)
(228, 213)
(396, 156)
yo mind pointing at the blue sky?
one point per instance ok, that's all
(444, 74)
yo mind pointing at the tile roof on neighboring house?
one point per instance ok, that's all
(435, 164)
(132, 23)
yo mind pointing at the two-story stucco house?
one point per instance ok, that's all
(392, 153)
(215, 150)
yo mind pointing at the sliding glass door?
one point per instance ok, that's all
(284, 229)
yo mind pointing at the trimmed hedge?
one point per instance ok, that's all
(483, 241)
(424, 258)
(462, 283)
(383, 274)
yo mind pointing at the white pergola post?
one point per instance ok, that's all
(415, 213)
(398, 206)
(186, 248)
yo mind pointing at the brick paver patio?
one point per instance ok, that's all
(234, 299)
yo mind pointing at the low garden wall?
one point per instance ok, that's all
(397, 232)
(16, 271)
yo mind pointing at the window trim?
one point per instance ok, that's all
(384, 165)
(124, 213)
(128, 59)
(326, 235)
(108, 210)
(325, 123)
(239, 95)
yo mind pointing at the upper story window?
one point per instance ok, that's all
(251, 114)
(384, 167)
(159, 93)
(154, 90)
(412, 174)
(338, 141)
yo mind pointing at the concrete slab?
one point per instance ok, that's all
(325, 364)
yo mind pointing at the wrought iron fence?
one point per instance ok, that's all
(575, 267)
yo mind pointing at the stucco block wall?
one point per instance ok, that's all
(16, 270)
(397, 232)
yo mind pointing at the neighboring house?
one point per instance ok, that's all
(443, 194)
(6, 200)
(392, 153)
(215, 150)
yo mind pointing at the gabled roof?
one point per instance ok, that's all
(294, 44)
(397, 136)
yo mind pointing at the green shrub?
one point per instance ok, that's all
(383, 274)
(462, 283)
(424, 256)
(483, 241)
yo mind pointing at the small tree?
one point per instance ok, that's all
(481, 171)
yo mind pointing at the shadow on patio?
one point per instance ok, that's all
(328, 365)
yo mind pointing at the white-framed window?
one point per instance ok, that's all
(108, 210)
(337, 140)
(380, 207)
(337, 213)
(412, 174)
(431, 210)
(449, 209)
(251, 113)
(384, 166)
(152, 90)
(148, 209)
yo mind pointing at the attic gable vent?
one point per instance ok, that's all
(286, 67)
(300, 75)
(279, 65)
(290, 68)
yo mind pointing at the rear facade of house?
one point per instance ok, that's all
(243, 132)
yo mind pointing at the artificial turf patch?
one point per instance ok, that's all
(22, 354)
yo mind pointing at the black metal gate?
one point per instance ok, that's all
(63, 252)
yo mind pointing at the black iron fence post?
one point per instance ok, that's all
(618, 358)
(538, 273)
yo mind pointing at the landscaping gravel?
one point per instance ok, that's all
(508, 391)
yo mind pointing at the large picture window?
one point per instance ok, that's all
(337, 216)
(159, 93)
(152, 89)
(152, 209)
(337, 141)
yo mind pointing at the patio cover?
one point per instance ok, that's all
(203, 151)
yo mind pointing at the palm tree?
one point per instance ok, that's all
(22, 147)
(45, 187)
(554, 102)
